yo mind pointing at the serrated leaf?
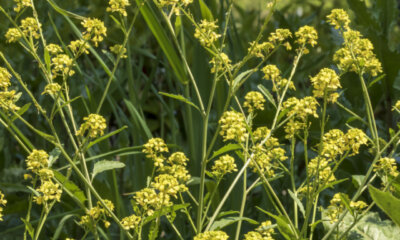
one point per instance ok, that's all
(180, 98)
(106, 165)
(389, 204)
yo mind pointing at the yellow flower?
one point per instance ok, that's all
(212, 235)
(177, 171)
(167, 184)
(280, 37)
(293, 127)
(178, 158)
(265, 230)
(30, 27)
(8, 100)
(335, 208)
(118, 6)
(301, 108)
(130, 222)
(62, 65)
(254, 101)
(49, 192)
(13, 35)
(3, 202)
(95, 125)
(396, 106)
(326, 82)
(37, 160)
(339, 19)
(5, 77)
(22, 4)
(52, 89)
(119, 49)
(253, 236)
(54, 49)
(261, 133)
(358, 206)
(333, 144)
(154, 149)
(387, 167)
(354, 138)
(46, 174)
(95, 30)
(319, 169)
(233, 126)
(306, 35)
(206, 34)
(223, 165)
(78, 47)
(260, 50)
(220, 63)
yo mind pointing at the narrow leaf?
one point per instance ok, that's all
(267, 94)
(106, 165)
(180, 98)
(227, 148)
(105, 137)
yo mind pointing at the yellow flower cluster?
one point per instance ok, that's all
(150, 201)
(301, 108)
(263, 232)
(168, 185)
(336, 206)
(254, 101)
(8, 100)
(118, 6)
(79, 47)
(220, 63)
(37, 160)
(271, 72)
(52, 89)
(30, 27)
(13, 35)
(233, 126)
(339, 19)
(212, 235)
(5, 77)
(3, 203)
(177, 167)
(21, 4)
(277, 38)
(335, 142)
(260, 133)
(223, 165)
(206, 34)
(94, 124)
(97, 213)
(154, 149)
(357, 54)
(62, 65)
(396, 106)
(306, 35)
(293, 127)
(319, 169)
(325, 84)
(165, 3)
(54, 49)
(131, 222)
(119, 49)
(266, 157)
(95, 30)
(49, 192)
(386, 167)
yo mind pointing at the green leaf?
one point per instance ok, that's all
(21, 111)
(54, 155)
(106, 165)
(135, 114)
(166, 45)
(240, 79)
(205, 11)
(105, 137)
(376, 80)
(227, 148)
(357, 180)
(60, 226)
(346, 202)
(29, 228)
(64, 12)
(267, 94)
(283, 225)
(298, 202)
(222, 223)
(389, 204)
(180, 98)
(71, 187)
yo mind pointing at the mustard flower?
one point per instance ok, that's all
(95, 30)
(306, 35)
(52, 89)
(62, 65)
(254, 101)
(220, 63)
(354, 138)
(5, 77)
(396, 106)
(293, 127)
(30, 27)
(333, 144)
(54, 49)
(20, 4)
(118, 6)
(358, 206)
(271, 72)
(45, 174)
(339, 19)
(223, 165)
(94, 124)
(119, 49)
(387, 167)
(178, 158)
(79, 46)
(150, 201)
(167, 184)
(266, 230)
(154, 149)
(212, 235)
(261, 133)
(206, 34)
(233, 126)
(130, 222)
(326, 82)
(49, 192)
(253, 236)
(301, 108)
(335, 208)
(281, 37)
(260, 50)
(3, 203)
(319, 169)
(13, 35)
(37, 160)
(177, 171)
(8, 100)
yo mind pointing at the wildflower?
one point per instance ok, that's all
(339, 19)
(118, 6)
(98, 212)
(223, 165)
(54, 49)
(354, 138)
(301, 108)
(211, 235)
(62, 65)
(266, 230)
(95, 125)
(358, 206)
(45, 174)
(233, 126)
(22, 4)
(325, 83)
(167, 184)
(306, 35)
(266, 159)
(220, 63)
(396, 106)
(387, 167)
(8, 100)
(206, 34)
(178, 158)
(271, 72)
(150, 201)
(95, 30)
(177, 171)
(319, 168)
(37, 160)
(293, 127)
(3, 203)
(13, 35)
(335, 208)
(261, 133)
(5, 77)
(119, 49)
(79, 46)
(154, 149)
(280, 37)
(52, 89)
(30, 27)
(253, 236)
(260, 50)
(333, 144)
(130, 222)
(49, 192)
(254, 101)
